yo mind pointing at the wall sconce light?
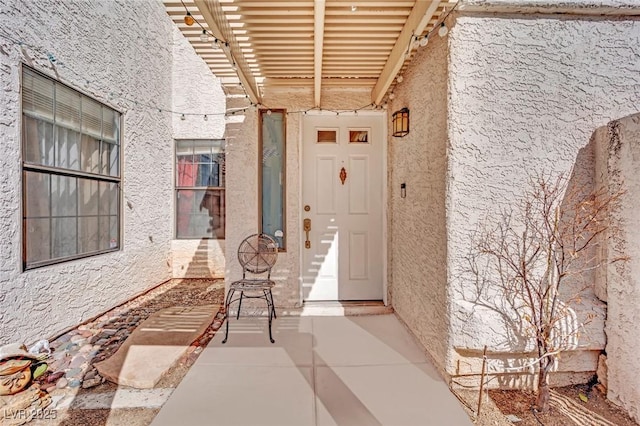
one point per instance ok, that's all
(400, 122)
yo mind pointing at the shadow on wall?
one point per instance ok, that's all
(502, 312)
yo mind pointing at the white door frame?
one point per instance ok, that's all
(385, 204)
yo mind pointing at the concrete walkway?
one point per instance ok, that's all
(364, 370)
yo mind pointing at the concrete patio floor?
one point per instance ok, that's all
(358, 370)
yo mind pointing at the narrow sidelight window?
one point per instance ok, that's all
(272, 174)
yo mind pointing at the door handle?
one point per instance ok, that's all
(306, 226)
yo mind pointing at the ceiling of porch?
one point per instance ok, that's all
(308, 43)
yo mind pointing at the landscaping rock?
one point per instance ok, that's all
(86, 384)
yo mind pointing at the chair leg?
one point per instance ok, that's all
(270, 309)
(273, 305)
(239, 305)
(226, 313)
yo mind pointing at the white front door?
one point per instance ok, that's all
(342, 204)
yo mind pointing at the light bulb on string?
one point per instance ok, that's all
(424, 41)
(392, 96)
(443, 30)
(188, 19)
(182, 117)
(399, 79)
(215, 44)
(204, 37)
(206, 118)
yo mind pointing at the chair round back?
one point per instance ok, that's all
(258, 253)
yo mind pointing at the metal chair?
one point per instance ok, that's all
(257, 254)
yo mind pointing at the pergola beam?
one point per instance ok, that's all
(233, 52)
(318, 43)
(418, 19)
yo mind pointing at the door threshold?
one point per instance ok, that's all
(346, 308)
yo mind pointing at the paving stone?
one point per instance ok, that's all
(90, 383)
(87, 348)
(74, 372)
(53, 377)
(78, 339)
(86, 333)
(155, 352)
(77, 361)
(63, 339)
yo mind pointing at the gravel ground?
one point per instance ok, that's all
(71, 376)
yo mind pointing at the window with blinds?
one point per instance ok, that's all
(71, 173)
(200, 189)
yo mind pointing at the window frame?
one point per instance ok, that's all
(57, 171)
(261, 113)
(177, 188)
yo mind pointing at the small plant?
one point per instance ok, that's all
(536, 256)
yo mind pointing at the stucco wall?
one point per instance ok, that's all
(618, 161)
(526, 93)
(418, 283)
(195, 92)
(242, 174)
(107, 51)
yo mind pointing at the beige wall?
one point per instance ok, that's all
(499, 99)
(617, 165)
(128, 67)
(195, 90)
(242, 179)
(526, 93)
(418, 246)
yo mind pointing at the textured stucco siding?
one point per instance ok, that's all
(242, 180)
(196, 92)
(526, 94)
(418, 277)
(119, 53)
(618, 162)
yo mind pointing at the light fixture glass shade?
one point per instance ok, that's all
(424, 41)
(188, 19)
(400, 122)
(443, 30)
(204, 37)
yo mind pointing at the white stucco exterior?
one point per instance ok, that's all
(521, 94)
(242, 186)
(196, 91)
(514, 89)
(617, 148)
(128, 64)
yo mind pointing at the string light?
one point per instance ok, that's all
(188, 19)
(443, 30)
(204, 37)
(422, 41)
(121, 99)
